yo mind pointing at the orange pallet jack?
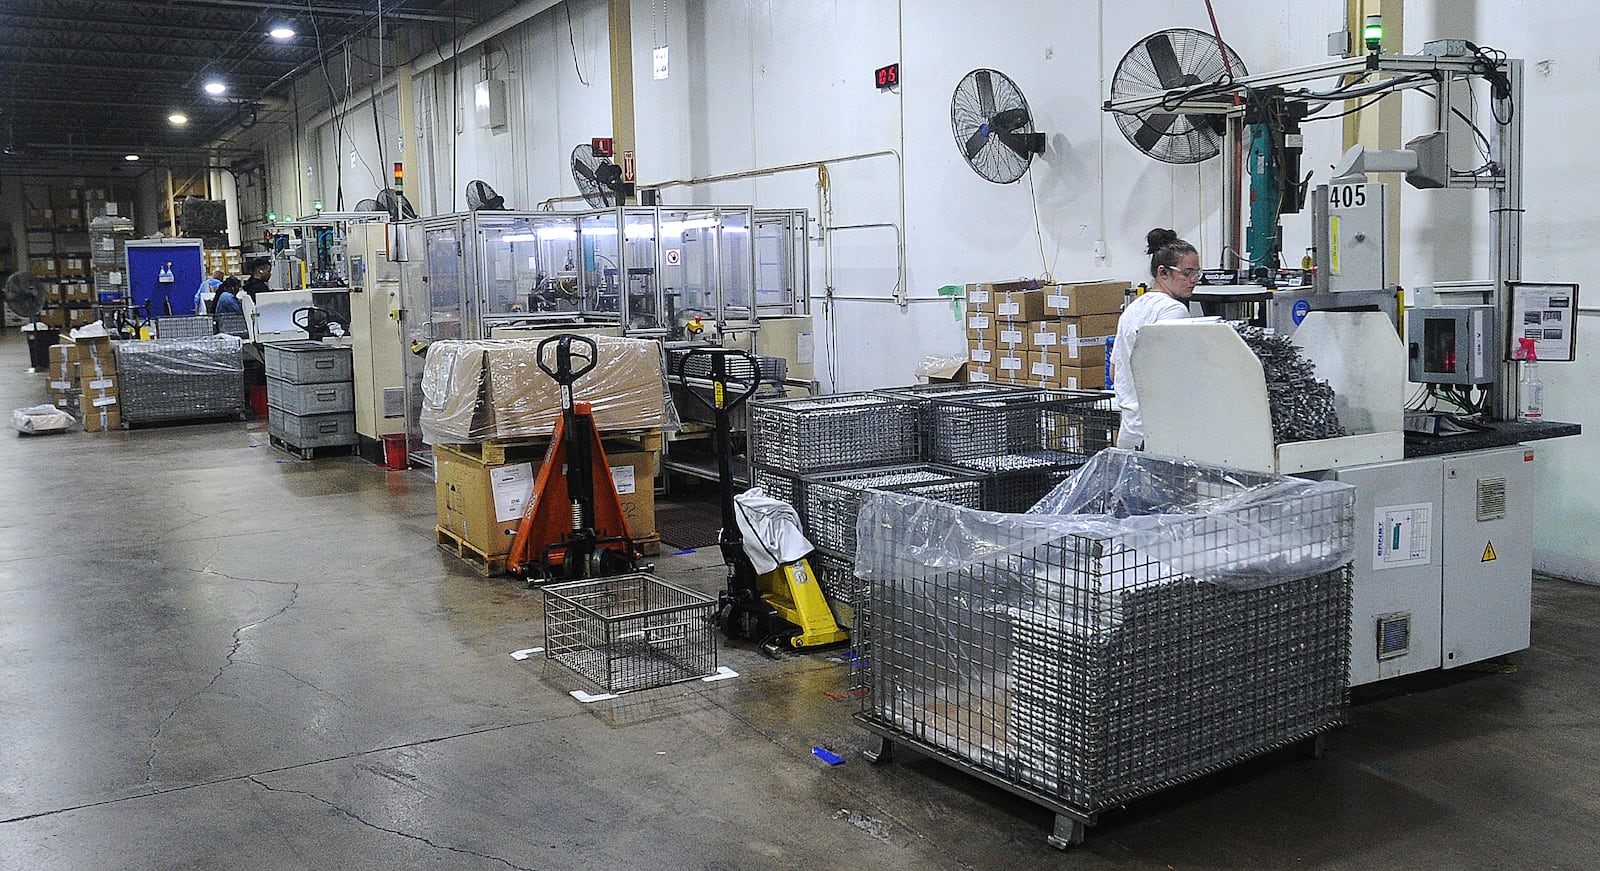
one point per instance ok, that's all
(574, 526)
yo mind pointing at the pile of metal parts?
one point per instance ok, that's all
(1075, 662)
(181, 379)
(983, 446)
(1302, 406)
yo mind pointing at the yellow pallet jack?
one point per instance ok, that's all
(783, 608)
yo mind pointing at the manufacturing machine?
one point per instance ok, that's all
(1443, 531)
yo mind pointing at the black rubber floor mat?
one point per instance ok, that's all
(688, 524)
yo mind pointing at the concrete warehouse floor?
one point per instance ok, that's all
(213, 655)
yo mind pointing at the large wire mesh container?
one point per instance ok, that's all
(929, 399)
(181, 379)
(1077, 422)
(806, 434)
(1171, 619)
(832, 499)
(195, 327)
(779, 485)
(630, 632)
(840, 586)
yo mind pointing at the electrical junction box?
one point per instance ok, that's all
(1349, 221)
(1451, 344)
(1448, 48)
(489, 104)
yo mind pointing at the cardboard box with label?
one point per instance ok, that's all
(100, 410)
(980, 329)
(95, 354)
(1081, 377)
(483, 504)
(980, 299)
(1022, 305)
(1085, 298)
(1084, 352)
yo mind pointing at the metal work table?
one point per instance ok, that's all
(1500, 433)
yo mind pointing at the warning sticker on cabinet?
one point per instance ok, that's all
(1404, 535)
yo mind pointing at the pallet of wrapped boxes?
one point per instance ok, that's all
(1042, 335)
(489, 412)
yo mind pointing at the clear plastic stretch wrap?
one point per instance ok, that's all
(481, 389)
(181, 378)
(1185, 617)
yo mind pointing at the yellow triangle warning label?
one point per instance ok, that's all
(1488, 553)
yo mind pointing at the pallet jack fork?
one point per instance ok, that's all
(574, 526)
(781, 608)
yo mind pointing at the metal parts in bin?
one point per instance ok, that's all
(1081, 660)
(630, 632)
(181, 379)
(841, 431)
(195, 327)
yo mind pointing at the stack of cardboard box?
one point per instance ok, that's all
(1051, 335)
(83, 380)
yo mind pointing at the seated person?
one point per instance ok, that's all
(228, 297)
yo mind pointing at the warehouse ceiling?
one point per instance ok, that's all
(87, 81)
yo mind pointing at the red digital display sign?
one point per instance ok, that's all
(888, 76)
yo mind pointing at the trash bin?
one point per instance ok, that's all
(40, 338)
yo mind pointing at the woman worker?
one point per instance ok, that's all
(1175, 266)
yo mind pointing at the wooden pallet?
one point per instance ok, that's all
(486, 564)
(498, 452)
(490, 566)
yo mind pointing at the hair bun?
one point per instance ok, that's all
(1159, 238)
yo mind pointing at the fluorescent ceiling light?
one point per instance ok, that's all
(215, 87)
(282, 31)
(178, 118)
(130, 157)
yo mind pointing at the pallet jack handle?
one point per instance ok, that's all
(742, 371)
(563, 373)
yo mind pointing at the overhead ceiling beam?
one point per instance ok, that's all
(323, 8)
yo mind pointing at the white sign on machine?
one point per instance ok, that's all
(1404, 535)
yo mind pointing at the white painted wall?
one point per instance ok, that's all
(757, 84)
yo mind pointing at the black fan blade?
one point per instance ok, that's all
(1024, 144)
(1159, 47)
(985, 85)
(584, 170)
(1010, 120)
(975, 143)
(1154, 128)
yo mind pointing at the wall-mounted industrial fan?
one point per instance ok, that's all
(993, 127)
(481, 197)
(1163, 61)
(598, 179)
(22, 295)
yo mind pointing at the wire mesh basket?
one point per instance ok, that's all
(929, 399)
(807, 434)
(1079, 422)
(779, 485)
(181, 379)
(630, 632)
(1014, 482)
(183, 328)
(832, 500)
(1089, 662)
(840, 586)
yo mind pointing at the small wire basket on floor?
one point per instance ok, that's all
(630, 632)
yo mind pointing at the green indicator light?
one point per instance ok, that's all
(1372, 33)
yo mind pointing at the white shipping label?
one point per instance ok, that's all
(1010, 363)
(622, 476)
(1008, 309)
(978, 376)
(103, 384)
(978, 322)
(805, 349)
(1044, 370)
(511, 486)
(1058, 300)
(102, 401)
(1044, 339)
(980, 355)
(1010, 337)
(1404, 535)
(978, 297)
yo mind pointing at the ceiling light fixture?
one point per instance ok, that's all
(215, 87)
(130, 157)
(178, 119)
(281, 31)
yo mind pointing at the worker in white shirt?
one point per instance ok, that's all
(207, 292)
(1175, 266)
